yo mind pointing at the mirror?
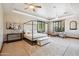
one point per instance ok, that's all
(73, 25)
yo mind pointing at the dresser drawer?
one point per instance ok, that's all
(14, 36)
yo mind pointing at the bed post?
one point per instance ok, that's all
(32, 32)
(23, 32)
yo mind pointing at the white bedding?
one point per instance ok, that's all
(35, 36)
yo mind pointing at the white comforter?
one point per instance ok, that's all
(35, 36)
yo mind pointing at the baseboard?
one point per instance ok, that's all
(72, 37)
(12, 40)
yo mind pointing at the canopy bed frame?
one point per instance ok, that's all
(33, 35)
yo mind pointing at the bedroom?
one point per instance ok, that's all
(59, 26)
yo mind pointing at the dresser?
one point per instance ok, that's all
(14, 37)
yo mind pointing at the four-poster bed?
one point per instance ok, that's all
(31, 31)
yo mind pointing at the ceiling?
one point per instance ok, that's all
(48, 10)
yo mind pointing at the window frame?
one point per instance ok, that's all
(42, 26)
(61, 24)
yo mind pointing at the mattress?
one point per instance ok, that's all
(35, 36)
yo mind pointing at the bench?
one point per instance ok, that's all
(43, 41)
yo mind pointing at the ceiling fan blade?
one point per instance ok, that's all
(38, 6)
(25, 8)
(26, 3)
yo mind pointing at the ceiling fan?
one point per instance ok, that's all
(32, 6)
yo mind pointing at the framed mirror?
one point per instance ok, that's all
(73, 25)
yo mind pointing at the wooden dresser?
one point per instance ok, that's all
(14, 37)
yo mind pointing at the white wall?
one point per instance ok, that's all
(1, 26)
(50, 27)
(71, 33)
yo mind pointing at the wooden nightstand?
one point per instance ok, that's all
(14, 37)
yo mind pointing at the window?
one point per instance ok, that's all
(40, 26)
(58, 26)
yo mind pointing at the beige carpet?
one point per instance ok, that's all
(54, 48)
(59, 47)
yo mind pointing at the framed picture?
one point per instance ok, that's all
(73, 25)
(13, 26)
(9, 26)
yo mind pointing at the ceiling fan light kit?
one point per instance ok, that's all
(31, 6)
